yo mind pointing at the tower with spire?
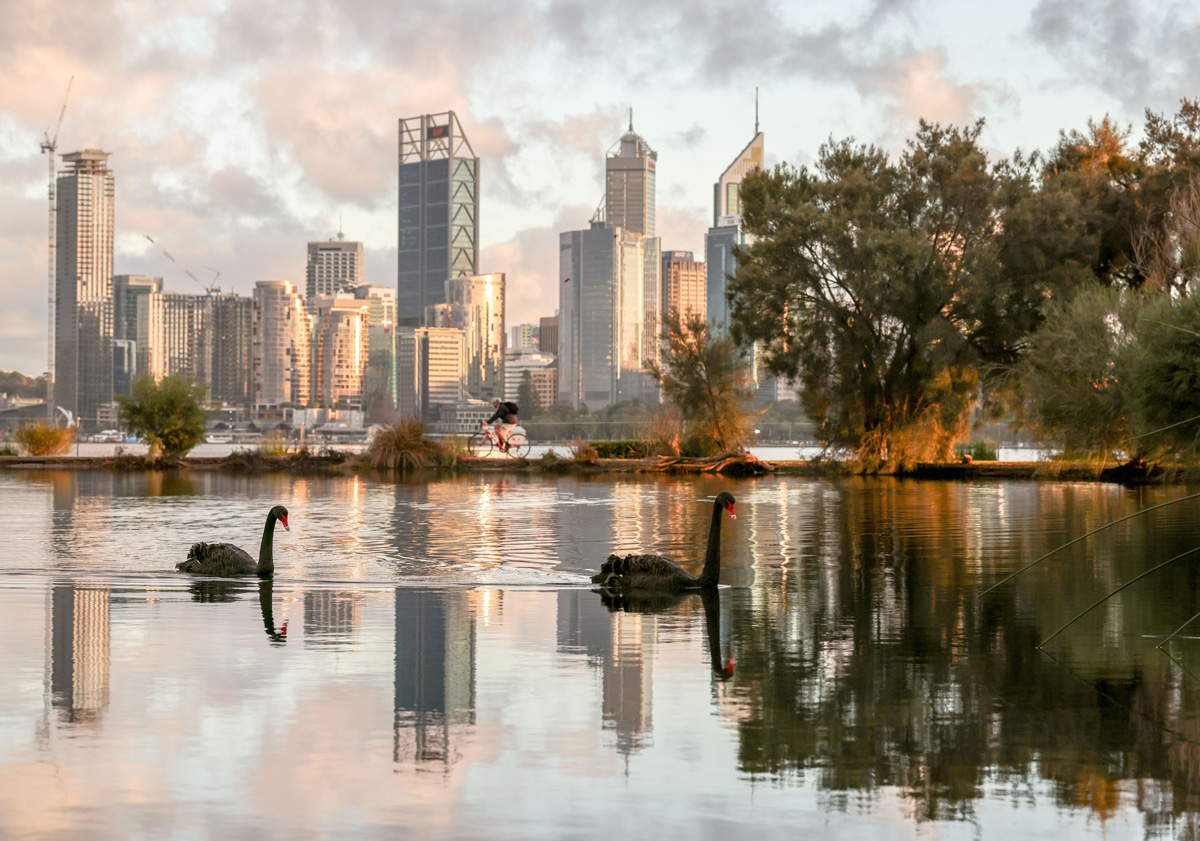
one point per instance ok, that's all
(334, 266)
(610, 297)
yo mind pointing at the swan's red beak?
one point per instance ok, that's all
(729, 508)
(729, 665)
(286, 527)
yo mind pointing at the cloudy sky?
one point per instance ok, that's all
(242, 129)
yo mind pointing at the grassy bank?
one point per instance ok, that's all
(734, 465)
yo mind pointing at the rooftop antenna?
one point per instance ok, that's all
(756, 110)
(341, 236)
(631, 118)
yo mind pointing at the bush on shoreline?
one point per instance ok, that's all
(403, 446)
(44, 439)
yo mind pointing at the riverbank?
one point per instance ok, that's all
(733, 465)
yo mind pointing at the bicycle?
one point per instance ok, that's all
(485, 440)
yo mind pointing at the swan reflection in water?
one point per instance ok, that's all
(649, 601)
(214, 591)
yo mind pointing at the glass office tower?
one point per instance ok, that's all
(438, 213)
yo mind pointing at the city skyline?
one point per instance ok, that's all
(235, 136)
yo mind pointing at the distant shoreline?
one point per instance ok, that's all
(343, 462)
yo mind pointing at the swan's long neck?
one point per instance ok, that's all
(712, 556)
(266, 560)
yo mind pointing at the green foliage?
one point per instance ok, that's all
(19, 385)
(403, 446)
(622, 449)
(44, 439)
(1164, 397)
(1073, 385)
(707, 380)
(871, 282)
(169, 414)
(978, 450)
(527, 396)
(7, 450)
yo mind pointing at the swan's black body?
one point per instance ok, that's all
(654, 572)
(225, 559)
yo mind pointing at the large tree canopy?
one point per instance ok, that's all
(875, 284)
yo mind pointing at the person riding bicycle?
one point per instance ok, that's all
(505, 418)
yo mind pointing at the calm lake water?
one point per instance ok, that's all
(447, 671)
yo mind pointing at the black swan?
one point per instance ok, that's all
(227, 559)
(654, 572)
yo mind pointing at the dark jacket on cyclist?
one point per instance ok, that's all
(506, 412)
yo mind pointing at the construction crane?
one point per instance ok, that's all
(210, 289)
(49, 147)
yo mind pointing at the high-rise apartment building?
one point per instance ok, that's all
(339, 351)
(548, 335)
(334, 266)
(172, 335)
(475, 305)
(684, 285)
(524, 336)
(438, 213)
(129, 292)
(229, 329)
(726, 232)
(83, 276)
(280, 346)
(380, 387)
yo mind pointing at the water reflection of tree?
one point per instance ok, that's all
(877, 667)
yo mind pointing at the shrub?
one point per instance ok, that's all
(7, 450)
(273, 444)
(978, 450)
(402, 446)
(621, 449)
(44, 439)
(168, 414)
(583, 452)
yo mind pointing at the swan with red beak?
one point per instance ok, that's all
(655, 572)
(226, 559)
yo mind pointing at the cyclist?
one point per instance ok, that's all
(505, 418)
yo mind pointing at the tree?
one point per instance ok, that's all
(871, 282)
(1074, 384)
(707, 380)
(527, 397)
(1164, 395)
(168, 414)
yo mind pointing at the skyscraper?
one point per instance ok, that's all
(380, 387)
(610, 295)
(683, 284)
(333, 266)
(475, 305)
(129, 292)
(229, 328)
(430, 369)
(726, 232)
(548, 335)
(601, 321)
(83, 331)
(280, 346)
(438, 212)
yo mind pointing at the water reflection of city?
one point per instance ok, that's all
(863, 658)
